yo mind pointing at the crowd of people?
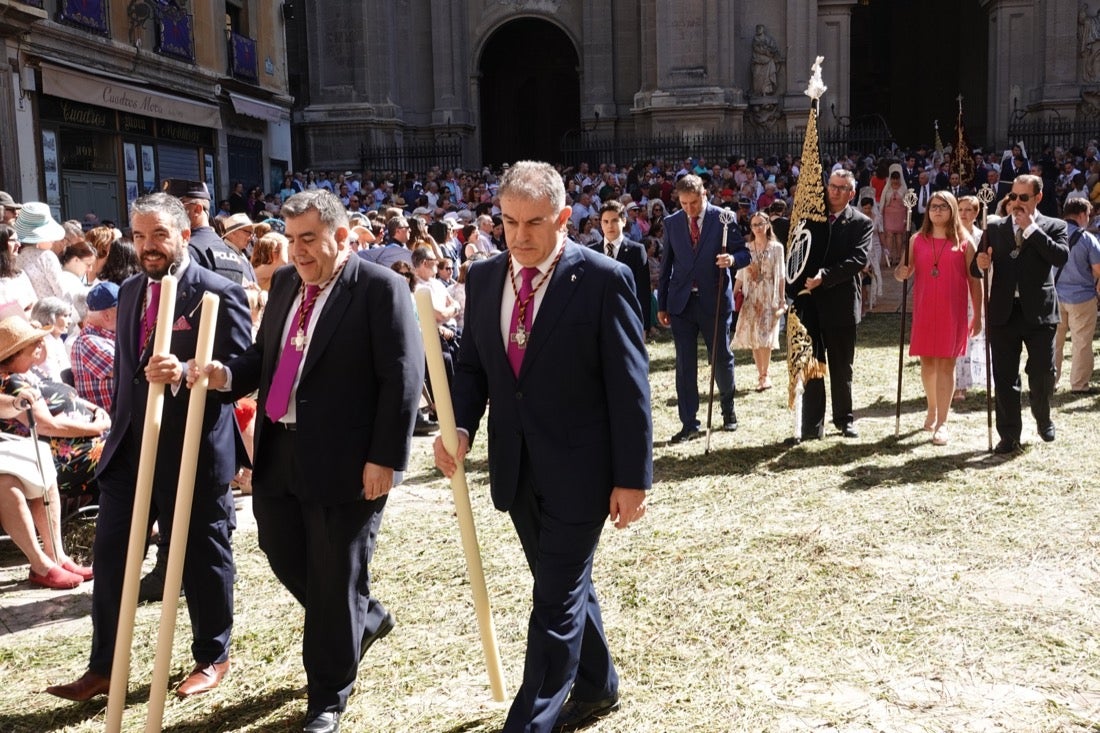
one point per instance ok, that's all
(700, 251)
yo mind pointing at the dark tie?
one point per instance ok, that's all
(832, 218)
(693, 226)
(278, 397)
(610, 249)
(149, 320)
(1019, 238)
(517, 338)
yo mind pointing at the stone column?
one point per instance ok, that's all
(834, 42)
(450, 61)
(1013, 62)
(801, 25)
(598, 66)
(695, 91)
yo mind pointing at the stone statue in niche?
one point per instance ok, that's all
(1088, 43)
(765, 63)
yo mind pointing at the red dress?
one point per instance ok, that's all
(939, 302)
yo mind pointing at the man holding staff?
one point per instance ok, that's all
(554, 343)
(329, 448)
(160, 231)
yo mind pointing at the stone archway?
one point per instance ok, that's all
(530, 92)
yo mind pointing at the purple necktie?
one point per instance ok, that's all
(278, 397)
(149, 320)
(517, 338)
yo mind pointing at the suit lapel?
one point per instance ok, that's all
(331, 315)
(559, 290)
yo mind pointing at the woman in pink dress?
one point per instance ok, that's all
(939, 263)
(891, 206)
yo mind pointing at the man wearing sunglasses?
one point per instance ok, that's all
(1025, 248)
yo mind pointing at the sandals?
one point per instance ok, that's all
(940, 436)
(763, 383)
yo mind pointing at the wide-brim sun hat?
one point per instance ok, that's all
(35, 224)
(16, 333)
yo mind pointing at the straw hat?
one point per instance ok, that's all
(16, 333)
(232, 223)
(34, 224)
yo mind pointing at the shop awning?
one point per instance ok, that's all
(260, 110)
(107, 91)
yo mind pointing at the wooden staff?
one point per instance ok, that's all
(448, 431)
(986, 195)
(727, 217)
(139, 521)
(181, 518)
(910, 201)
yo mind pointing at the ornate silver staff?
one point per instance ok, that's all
(727, 217)
(910, 200)
(986, 194)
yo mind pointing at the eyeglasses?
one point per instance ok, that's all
(1023, 197)
(840, 189)
(938, 207)
(446, 267)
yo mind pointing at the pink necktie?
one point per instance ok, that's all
(517, 340)
(278, 397)
(149, 320)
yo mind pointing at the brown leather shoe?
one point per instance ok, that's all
(85, 688)
(203, 678)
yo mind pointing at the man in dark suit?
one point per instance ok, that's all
(553, 344)
(1025, 248)
(632, 254)
(828, 299)
(693, 292)
(329, 447)
(160, 232)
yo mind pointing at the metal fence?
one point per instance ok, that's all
(1054, 131)
(718, 147)
(411, 156)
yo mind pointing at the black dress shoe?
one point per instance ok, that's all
(579, 713)
(729, 424)
(383, 628)
(321, 722)
(1006, 445)
(849, 431)
(685, 434)
(1046, 432)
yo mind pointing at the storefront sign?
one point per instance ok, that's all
(73, 85)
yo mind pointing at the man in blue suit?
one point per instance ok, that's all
(329, 448)
(694, 290)
(554, 343)
(161, 229)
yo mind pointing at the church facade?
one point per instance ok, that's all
(501, 79)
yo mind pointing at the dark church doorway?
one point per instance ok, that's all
(910, 61)
(530, 92)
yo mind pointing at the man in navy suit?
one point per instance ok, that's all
(1025, 248)
(160, 230)
(553, 343)
(329, 448)
(632, 254)
(695, 290)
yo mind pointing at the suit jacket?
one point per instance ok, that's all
(579, 411)
(632, 254)
(1031, 272)
(221, 450)
(684, 269)
(839, 251)
(360, 385)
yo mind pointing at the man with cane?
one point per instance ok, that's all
(554, 345)
(160, 231)
(329, 449)
(695, 297)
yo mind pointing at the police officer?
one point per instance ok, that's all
(205, 246)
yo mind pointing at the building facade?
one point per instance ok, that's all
(102, 100)
(503, 79)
